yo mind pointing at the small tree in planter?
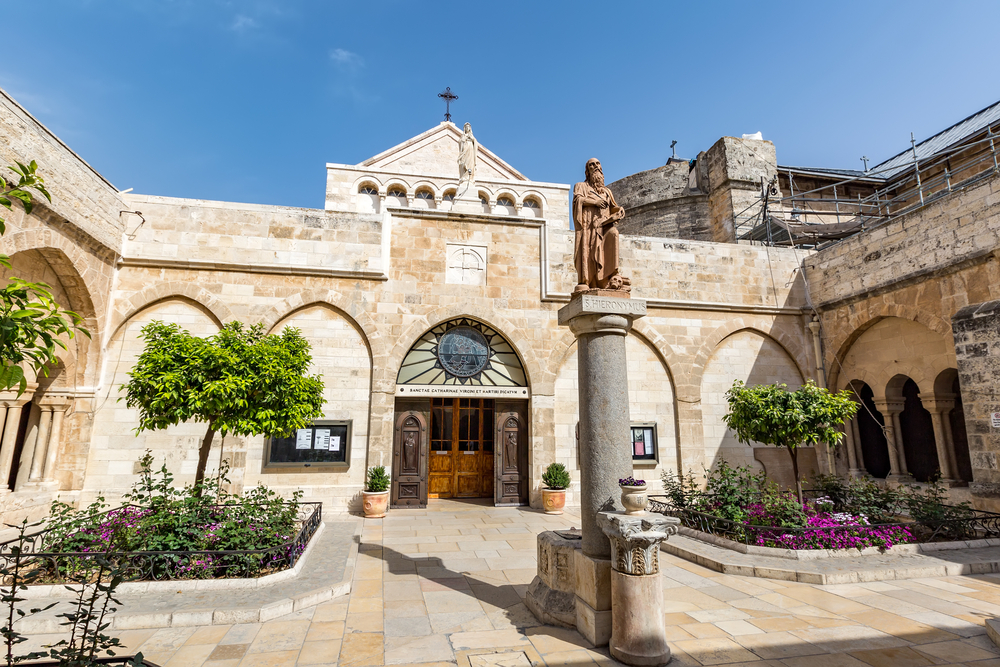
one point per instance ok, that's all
(376, 493)
(239, 381)
(556, 480)
(772, 415)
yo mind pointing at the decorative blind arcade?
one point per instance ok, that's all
(462, 352)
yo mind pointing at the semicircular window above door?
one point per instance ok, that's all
(464, 352)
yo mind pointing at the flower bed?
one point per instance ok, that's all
(166, 533)
(738, 504)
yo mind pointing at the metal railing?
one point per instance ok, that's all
(56, 566)
(961, 524)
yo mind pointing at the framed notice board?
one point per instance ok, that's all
(326, 443)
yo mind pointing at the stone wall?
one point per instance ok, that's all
(659, 202)
(80, 195)
(977, 345)
(362, 322)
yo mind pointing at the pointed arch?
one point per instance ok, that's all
(174, 289)
(349, 308)
(862, 319)
(791, 347)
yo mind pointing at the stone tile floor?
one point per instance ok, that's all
(445, 586)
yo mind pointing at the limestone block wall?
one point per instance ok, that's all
(897, 346)
(114, 445)
(924, 267)
(362, 323)
(191, 230)
(735, 168)
(754, 359)
(977, 344)
(80, 195)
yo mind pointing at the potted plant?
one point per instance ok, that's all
(634, 498)
(376, 493)
(556, 480)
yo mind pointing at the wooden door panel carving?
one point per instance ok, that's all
(511, 453)
(409, 461)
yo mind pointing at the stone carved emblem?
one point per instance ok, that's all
(463, 351)
(635, 541)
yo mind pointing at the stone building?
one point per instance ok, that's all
(435, 329)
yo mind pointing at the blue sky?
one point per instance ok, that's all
(247, 100)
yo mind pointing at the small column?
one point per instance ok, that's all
(41, 444)
(890, 410)
(638, 635)
(949, 440)
(859, 454)
(9, 438)
(897, 432)
(600, 323)
(939, 406)
(852, 461)
(48, 472)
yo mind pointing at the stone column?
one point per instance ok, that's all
(897, 434)
(14, 406)
(939, 406)
(48, 473)
(890, 413)
(41, 443)
(638, 635)
(852, 461)
(600, 324)
(859, 453)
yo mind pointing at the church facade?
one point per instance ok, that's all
(434, 326)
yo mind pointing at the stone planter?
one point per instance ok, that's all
(376, 503)
(553, 500)
(634, 499)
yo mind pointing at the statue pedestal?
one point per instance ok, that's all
(467, 205)
(638, 636)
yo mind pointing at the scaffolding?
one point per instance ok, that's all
(825, 215)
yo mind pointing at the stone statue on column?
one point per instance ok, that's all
(468, 150)
(595, 216)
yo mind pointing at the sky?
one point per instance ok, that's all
(247, 100)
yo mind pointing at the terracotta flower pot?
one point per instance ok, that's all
(634, 499)
(376, 503)
(553, 500)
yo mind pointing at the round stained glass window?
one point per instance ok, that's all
(463, 351)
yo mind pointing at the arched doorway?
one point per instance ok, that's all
(466, 382)
(871, 430)
(917, 431)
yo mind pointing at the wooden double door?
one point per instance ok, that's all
(460, 448)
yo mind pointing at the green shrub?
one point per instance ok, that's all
(378, 481)
(556, 477)
(682, 490)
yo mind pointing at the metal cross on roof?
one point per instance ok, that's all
(447, 96)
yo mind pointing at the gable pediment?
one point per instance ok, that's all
(435, 153)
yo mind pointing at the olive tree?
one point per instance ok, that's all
(239, 381)
(31, 322)
(772, 415)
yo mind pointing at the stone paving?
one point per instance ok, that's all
(445, 587)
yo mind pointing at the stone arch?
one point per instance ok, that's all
(671, 360)
(176, 289)
(537, 374)
(70, 262)
(792, 347)
(859, 321)
(359, 318)
(77, 295)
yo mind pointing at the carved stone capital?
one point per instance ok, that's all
(635, 540)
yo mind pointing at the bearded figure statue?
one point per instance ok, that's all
(595, 217)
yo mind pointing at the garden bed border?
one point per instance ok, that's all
(818, 554)
(69, 591)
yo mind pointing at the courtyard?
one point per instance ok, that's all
(445, 586)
